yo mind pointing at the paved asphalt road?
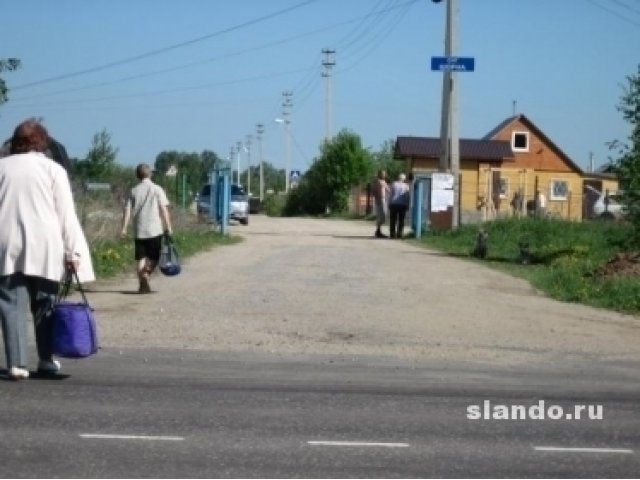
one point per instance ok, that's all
(174, 414)
(349, 361)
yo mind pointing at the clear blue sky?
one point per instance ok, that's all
(199, 74)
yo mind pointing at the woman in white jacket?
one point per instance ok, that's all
(40, 237)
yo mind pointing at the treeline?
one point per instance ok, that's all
(343, 163)
(181, 174)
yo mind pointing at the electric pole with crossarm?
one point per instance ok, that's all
(449, 126)
(328, 63)
(259, 133)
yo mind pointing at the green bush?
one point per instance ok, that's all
(274, 205)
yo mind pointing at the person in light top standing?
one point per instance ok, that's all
(40, 238)
(380, 192)
(147, 205)
(398, 205)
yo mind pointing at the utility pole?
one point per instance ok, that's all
(328, 63)
(231, 151)
(238, 150)
(449, 126)
(287, 104)
(260, 132)
(248, 144)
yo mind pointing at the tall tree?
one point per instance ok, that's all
(628, 164)
(7, 65)
(100, 161)
(383, 160)
(343, 163)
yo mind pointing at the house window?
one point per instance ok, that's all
(520, 141)
(504, 188)
(559, 190)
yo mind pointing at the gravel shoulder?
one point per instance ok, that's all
(327, 287)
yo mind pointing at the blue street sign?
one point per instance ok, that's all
(453, 64)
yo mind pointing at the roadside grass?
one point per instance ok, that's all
(564, 257)
(112, 255)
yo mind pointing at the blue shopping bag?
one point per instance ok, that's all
(73, 324)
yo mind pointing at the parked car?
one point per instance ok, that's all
(238, 205)
(255, 205)
(608, 206)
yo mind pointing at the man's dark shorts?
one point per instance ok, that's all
(148, 248)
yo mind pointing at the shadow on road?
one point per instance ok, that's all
(356, 237)
(4, 376)
(123, 292)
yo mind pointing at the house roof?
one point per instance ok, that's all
(471, 149)
(609, 167)
(539, 133)
(498, 128)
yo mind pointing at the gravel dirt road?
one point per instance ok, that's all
(308, 286)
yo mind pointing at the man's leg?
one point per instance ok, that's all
(143, 275)
(402, 212)
(148, 255)
(142, 264)
(393, 219)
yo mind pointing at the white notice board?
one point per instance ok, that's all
(441, 192)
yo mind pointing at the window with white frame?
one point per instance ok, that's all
(520, 141)
(559, 189)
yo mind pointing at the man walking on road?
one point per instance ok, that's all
(147, 204)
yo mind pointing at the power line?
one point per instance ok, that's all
(306, 82)
(184, 65)
(360, 25)
(373, 24)
(379, 38)
(176, 90)
(305, 90)
(164, 49)
(314, 81)
(627, 6)
(303, 85)
(613, 12)
(78, 105)
(370, 48)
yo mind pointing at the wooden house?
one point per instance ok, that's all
(501, 172)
